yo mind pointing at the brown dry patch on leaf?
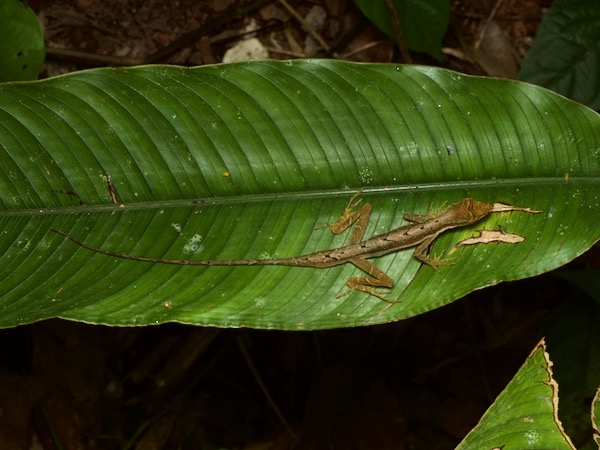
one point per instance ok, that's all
(489, 236)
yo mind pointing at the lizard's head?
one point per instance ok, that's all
(470, 210)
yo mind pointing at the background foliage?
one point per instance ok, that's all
(566, 52)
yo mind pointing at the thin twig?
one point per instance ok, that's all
(92, 59)
(399, 33)
(283, 51)
(310, 30)
(486, 24)
(362, 48)
(229, 14)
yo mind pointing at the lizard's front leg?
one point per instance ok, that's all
(350, 216)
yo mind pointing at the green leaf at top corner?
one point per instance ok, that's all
(566, 52)
(22, 49)
(424, 23)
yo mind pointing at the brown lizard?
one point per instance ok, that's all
(421, 233)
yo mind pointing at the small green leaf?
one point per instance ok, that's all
(596, 417)
(22, 49)
(525, 414)
(424, 22)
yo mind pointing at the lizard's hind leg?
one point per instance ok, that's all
(371, 284)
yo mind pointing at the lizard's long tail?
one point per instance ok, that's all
(301, 261)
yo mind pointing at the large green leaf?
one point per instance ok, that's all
(246, 160)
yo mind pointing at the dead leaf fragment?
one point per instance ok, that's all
(488, 236)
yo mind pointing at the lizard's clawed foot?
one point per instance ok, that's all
(436, 262)
(364, 285)
(372, 292)
(351, 214)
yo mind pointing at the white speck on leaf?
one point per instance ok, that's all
(193, 244)
(533, 437)
(365, 175)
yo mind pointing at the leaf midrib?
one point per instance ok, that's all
(501, 184)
